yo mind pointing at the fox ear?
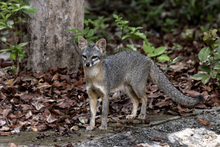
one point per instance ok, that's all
(101, 45)
(82, 42)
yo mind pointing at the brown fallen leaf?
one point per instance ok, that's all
(5, 128)
(5, 133)
(55, 77)
(182, 108)
(9, 82)
(2, 96)
(207, 88)
(157, 139)
(205, 122)
(51, 118)
(29, 78)
(118, 125)
(28, 115)
(192, 93)
(185, 114)
(164, 144)
(162, 103)
(66, 78)
(37, 105)
(43, 85)
(42, 127)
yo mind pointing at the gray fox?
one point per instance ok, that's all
(127, 71)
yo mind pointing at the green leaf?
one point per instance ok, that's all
(205, 79)
(204, 53)
(29, 9)
(124, 22)
(10, 23)
(15, 10)
(22, 44)
(217, 66)
(91, 32)
(3, 16)
(151, 55)
(17, 5)
(160, 50)
(2, 27)
(218, 49)
(94, 38)
(217, 43)
(86, 30)
(115, 16)
(74, 30)
(141, 35)
(9, 45)
(7, 16)
(163, 58)
(131, 47)
(7, 50)
(205, 68)
(132, 29)
(126, 36)
(13, 56)
(206, 36)
(147, 48)
(198, 76)
(213, 74)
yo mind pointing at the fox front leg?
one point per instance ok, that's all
(92, 104)
(105, 107)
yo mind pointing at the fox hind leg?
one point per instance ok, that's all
(140, 92)
(130, 92)
(142, 115)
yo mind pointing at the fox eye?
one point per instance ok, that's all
(94, 57)
(83, 56)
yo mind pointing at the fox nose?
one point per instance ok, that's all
(87, 64)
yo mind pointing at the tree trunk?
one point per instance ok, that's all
(50, 43)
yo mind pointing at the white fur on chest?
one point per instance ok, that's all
(92, 72)
(96, 86)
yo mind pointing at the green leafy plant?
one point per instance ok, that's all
(169, 25)
(127, 31)
(88, 33)
(11, 14)
(134, 33)
(159, 53)
(209, 56)
(205, 28)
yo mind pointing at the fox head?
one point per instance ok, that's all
(91, 53)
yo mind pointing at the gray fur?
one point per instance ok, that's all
(134, 68)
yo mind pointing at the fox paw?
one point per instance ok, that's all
(103, 128)
(141, 116)
(130, 116)
(90, 128)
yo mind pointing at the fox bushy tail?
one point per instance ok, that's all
(160, 79)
